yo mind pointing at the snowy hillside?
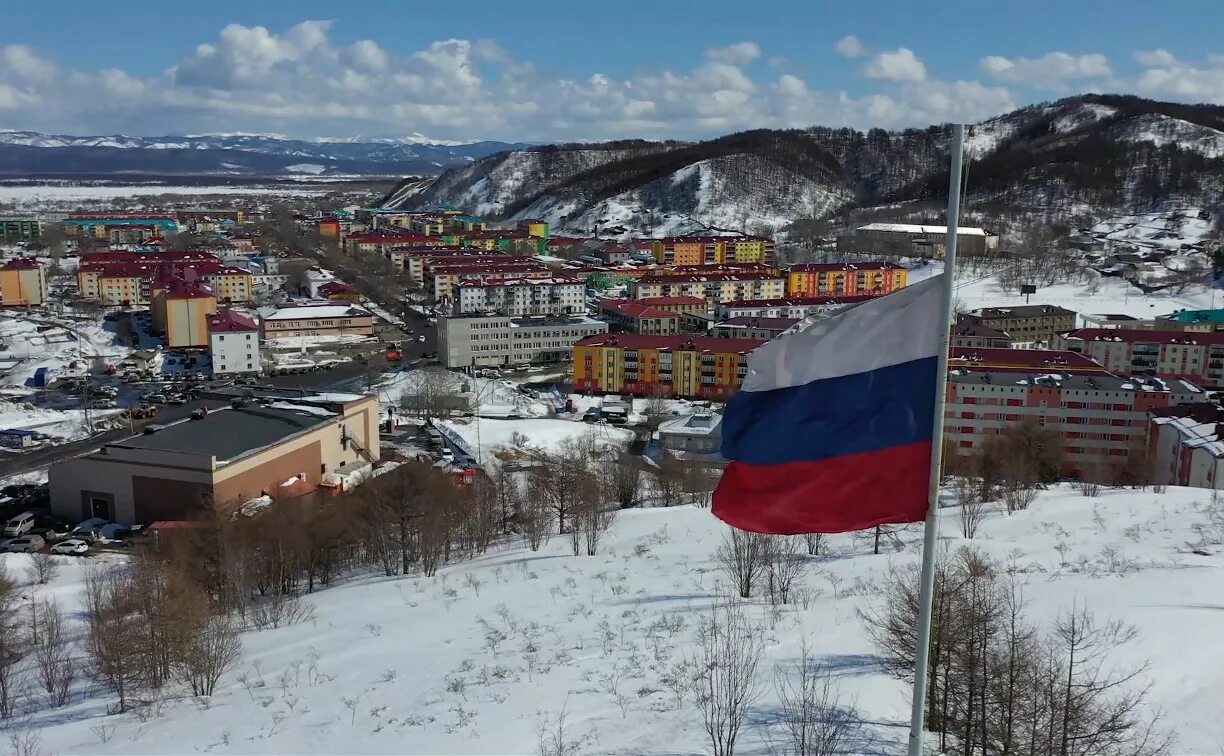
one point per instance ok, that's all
(1101, 153)
(475, 660)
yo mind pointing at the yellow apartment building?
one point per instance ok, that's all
(23, 283)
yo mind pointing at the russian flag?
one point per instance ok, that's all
(832, 428)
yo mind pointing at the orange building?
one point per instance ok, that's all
(23, 283)
(836, 279)
(182, 310)
(673, 365)
(712, 250)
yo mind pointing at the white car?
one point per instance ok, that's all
(421, 339)
(71, 547)
(448, 456)
(25, 543)
(20, 524)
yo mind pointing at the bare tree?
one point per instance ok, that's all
(655, 409)
(43, 568)
(743, 557)
(624, 481)
(784, 566)
(111, 624)
(813, 719)
(209, 648)
(12, 642)
(813, 542)
(972, 508)
(52, 652)
(730, 647)
(534, 520)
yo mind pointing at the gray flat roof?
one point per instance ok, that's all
(227, 433)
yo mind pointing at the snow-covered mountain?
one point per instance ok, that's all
(1102, 151)
(30, 152)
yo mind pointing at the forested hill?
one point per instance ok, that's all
(1106, 152)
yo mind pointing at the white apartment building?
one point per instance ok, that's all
(521, 297)
(233, 342)
(498, 340)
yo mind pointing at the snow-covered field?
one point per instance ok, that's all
(402, 665)
(490, 435)
(29, 195)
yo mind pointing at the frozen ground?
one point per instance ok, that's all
(30, 195)
(402, 665)
(491, 435)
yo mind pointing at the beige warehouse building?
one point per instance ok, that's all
(228, 456)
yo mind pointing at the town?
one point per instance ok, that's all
(399, 391)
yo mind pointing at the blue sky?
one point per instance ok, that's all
(544, 70)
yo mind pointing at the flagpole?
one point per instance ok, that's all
(931, 531)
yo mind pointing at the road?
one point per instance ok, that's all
(351, 376)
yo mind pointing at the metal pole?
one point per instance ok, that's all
(931, 532)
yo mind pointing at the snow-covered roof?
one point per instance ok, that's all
(318, 311)
(910, 228)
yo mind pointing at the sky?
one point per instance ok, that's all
(547, 70)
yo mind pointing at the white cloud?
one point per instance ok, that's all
(896, 65)
(738, 54)
(365, 53)
(1157, 57)
(1051, 71)
(849, 46)
(299, 81)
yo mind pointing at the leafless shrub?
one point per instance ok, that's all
(554, 738)
(813, 542)
(972, 507)
(43, 568)
(725, 683)
(813, 718)
(784, 566)
(742, 556)
(280, 609)
(52, 652)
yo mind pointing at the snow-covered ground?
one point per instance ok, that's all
(491, 435)
(402, 665)
(42, 195)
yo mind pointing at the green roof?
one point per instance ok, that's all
(1196, 316)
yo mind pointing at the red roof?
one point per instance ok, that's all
(663, 301)
(488, 268)
(110, 256)
(1023, 360)
(22, 263)
(633, 309)
(388, 236)
(227, 321)
(780, 324)
(677, 343)
(827, 267)
(704, 277)
(189, 290)
(799, 301)
(334, 287)
(1129, 335)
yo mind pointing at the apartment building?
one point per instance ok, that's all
(377, 242)
(98, 224)
(94, 266)
(124, 284)
(995, 360)
(675, 366)
(714, 287)
(20, 228)
(318, 320)
(180, 309)
(500, 341)
(639, 317)
(1101, 419)
(786, 307)
(23, 283)
(233, 343)
(520, 297)
(1197, 357)
(415, 261)
(1185, 445)
(971, 333)
(1026, 323)
(712, 250)
(843, 279)
(441, 279)
(752, 328)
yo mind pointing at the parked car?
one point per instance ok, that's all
(591, 415)
(421, 339)
(71, 547)
(177, 400)
(447, 456)
(156, 398)
(20, 525)
(55, 526)
(25, 543)
(103, 403)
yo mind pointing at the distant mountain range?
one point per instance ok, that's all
(29, 153)
(1081, 154)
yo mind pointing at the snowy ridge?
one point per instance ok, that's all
(1162, 130)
